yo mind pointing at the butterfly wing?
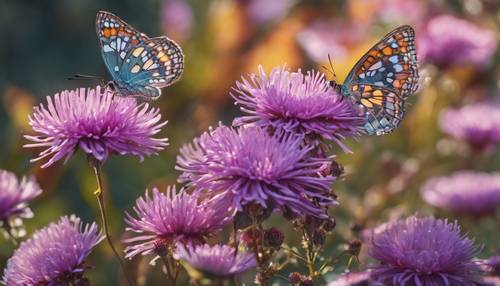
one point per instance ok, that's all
(116, 39)
(151, 65)
(389, 67)
(383, 107)
(139, 65)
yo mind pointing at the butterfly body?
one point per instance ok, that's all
(382, 80)
(139, 65)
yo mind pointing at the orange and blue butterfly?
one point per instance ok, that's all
(139, 65)
(382, 80)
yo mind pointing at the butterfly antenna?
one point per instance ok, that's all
(331, 66)
(85, 77)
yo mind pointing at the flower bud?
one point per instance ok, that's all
(295, 278)
(249, 236)
(273, 237)
(258, 212)
(242, 220)
(354, 247)
(333, 169)
(288, 213)
(306, 281)
(160, 248)
(329, 224)
(319, 237)
(312, 223)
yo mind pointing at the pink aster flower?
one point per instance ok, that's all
(464, 192)
(218, 260)
(336, 38)
(177, 19)
(478, 124)
(447, 40)
(14, 198)
(163, 219)
(422, 251)
(54, 255)
(296, 103)
(97, 122)
(248, 166)
(264, 11)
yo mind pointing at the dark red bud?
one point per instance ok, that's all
(295, 278)
(273, 237)
(354, 247)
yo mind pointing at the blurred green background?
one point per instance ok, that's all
(44, 42)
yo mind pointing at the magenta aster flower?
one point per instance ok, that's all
(97, 122)
(296, 103)
(217, 260)
(478, 124)
(14, 198)
(465, 192)
(55, 255)
(249, 166)
(447, 40)
(166, 218)
(422, 251)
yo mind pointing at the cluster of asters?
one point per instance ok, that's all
(277, 159)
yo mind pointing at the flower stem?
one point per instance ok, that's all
(171, 277)
(8, 229)
(257, 248)
(99, 193)
(310, 256)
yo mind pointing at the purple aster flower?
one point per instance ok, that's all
(403, 12)
(217, 260)
(447, 40)
(336, 38)
(166, 218)
(97, 122)
(248, 166)
(54, 255)
(14, 197)
(478, 124)
(177, 17)
(264, 11)
(465, 192)
(294, 102)
(422, 251)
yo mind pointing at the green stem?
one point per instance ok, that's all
(309, 255)
(331, 260)
(99, 193)
(295, 253)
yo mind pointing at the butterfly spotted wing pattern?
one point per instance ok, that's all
(383, 79)
(139, 65)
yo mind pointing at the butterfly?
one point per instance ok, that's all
(382, 80)
(139, 65)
